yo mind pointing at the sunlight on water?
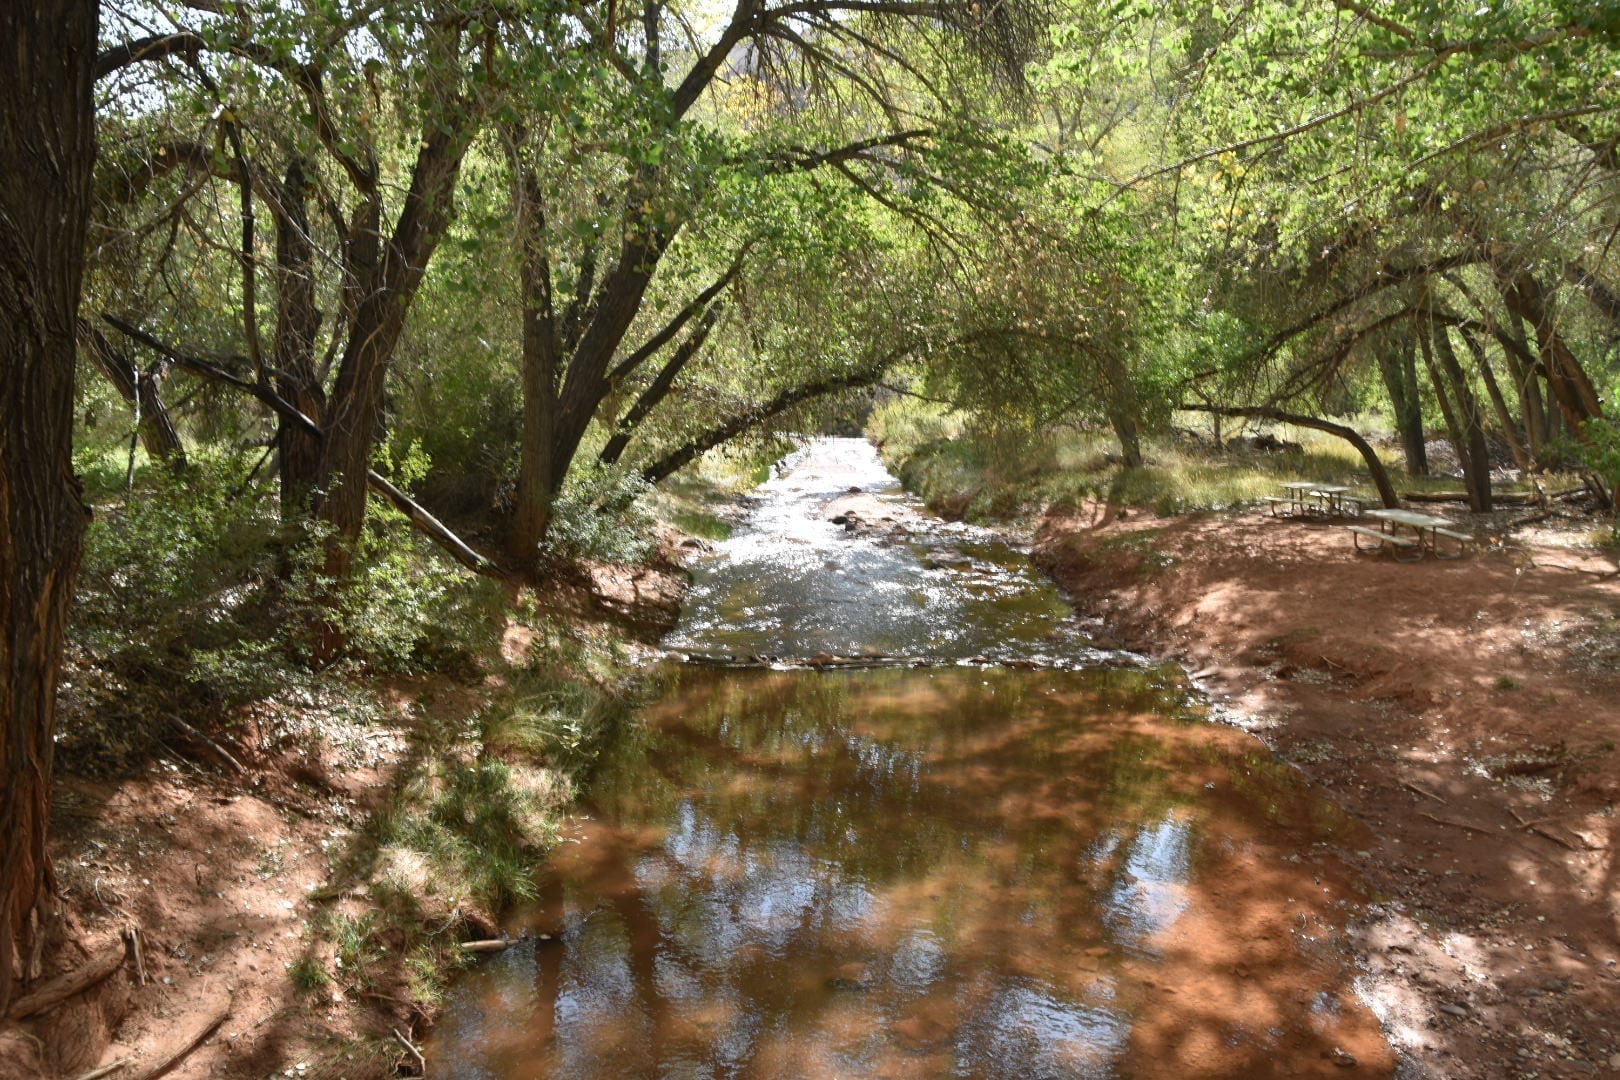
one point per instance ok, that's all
(791, 583)
(957, 871)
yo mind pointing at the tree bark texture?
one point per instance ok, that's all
(298, 321)
(47, 145)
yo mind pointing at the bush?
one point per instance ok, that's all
(600, 515)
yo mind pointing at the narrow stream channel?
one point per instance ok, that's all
(1029, 859)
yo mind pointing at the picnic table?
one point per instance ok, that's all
(1427, 530)
(1308, 497)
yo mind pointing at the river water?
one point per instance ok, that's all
(1027, 859)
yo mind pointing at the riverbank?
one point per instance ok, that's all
(1464, 710)
(285, 890)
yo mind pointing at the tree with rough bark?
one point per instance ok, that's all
(47, 149)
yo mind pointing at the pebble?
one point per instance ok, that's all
(1454, 1010)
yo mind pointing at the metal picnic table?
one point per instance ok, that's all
(1428, 528)
(1308, 497)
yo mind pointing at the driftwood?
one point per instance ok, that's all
(488, 945)
(57, 990)
(181, 1050)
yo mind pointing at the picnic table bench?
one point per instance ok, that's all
(1426, 528)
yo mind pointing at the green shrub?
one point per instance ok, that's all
(600, 515)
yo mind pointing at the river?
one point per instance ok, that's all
(965, 843)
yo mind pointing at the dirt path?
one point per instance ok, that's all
(1468, 711)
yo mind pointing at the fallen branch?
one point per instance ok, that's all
(419, 515)
(488, 945)
(223, 754)
(106, 1070)
(1458, 824)
(1508, 499)
(1425, 792)
(420, 1060)
(57, 990)
(183, 1049)
(1554, 837)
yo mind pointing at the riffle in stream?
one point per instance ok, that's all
(964, 870)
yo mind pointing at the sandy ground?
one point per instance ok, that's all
(1467, 711)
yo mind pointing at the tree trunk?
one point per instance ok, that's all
(47, 145)
(1375, 467)
(1532, 407)
(536, 489)
(1504, 415)
(1397, 365)
(143, 392)
(1577, 397)
(1476, 456)
(1124, 411)
(388, 287)
(298, 321)
(1456, 429)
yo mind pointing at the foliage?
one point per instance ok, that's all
(600, 516)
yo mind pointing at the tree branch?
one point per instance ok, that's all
(418, 514)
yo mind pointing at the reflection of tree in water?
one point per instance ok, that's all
(850, 866)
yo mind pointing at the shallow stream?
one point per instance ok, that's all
(1026, 859)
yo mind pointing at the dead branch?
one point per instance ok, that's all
(223, 754)
(183, 1049)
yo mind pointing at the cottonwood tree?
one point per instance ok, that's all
(47, 146)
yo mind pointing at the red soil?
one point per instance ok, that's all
(1468, 711)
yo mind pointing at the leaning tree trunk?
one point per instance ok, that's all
(1454, 432)
(1570, 385)
(47, 145)
(1375, 467)
(1504, 415)
(144, 395)
(390, 284)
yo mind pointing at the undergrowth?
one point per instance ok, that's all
(986, 477)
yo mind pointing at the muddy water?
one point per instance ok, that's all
(965, 870)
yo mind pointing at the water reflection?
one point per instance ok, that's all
(902, 873)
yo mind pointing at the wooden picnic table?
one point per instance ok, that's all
(1428, 529)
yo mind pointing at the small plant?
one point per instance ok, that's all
(1507, 682)
(309, 974)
